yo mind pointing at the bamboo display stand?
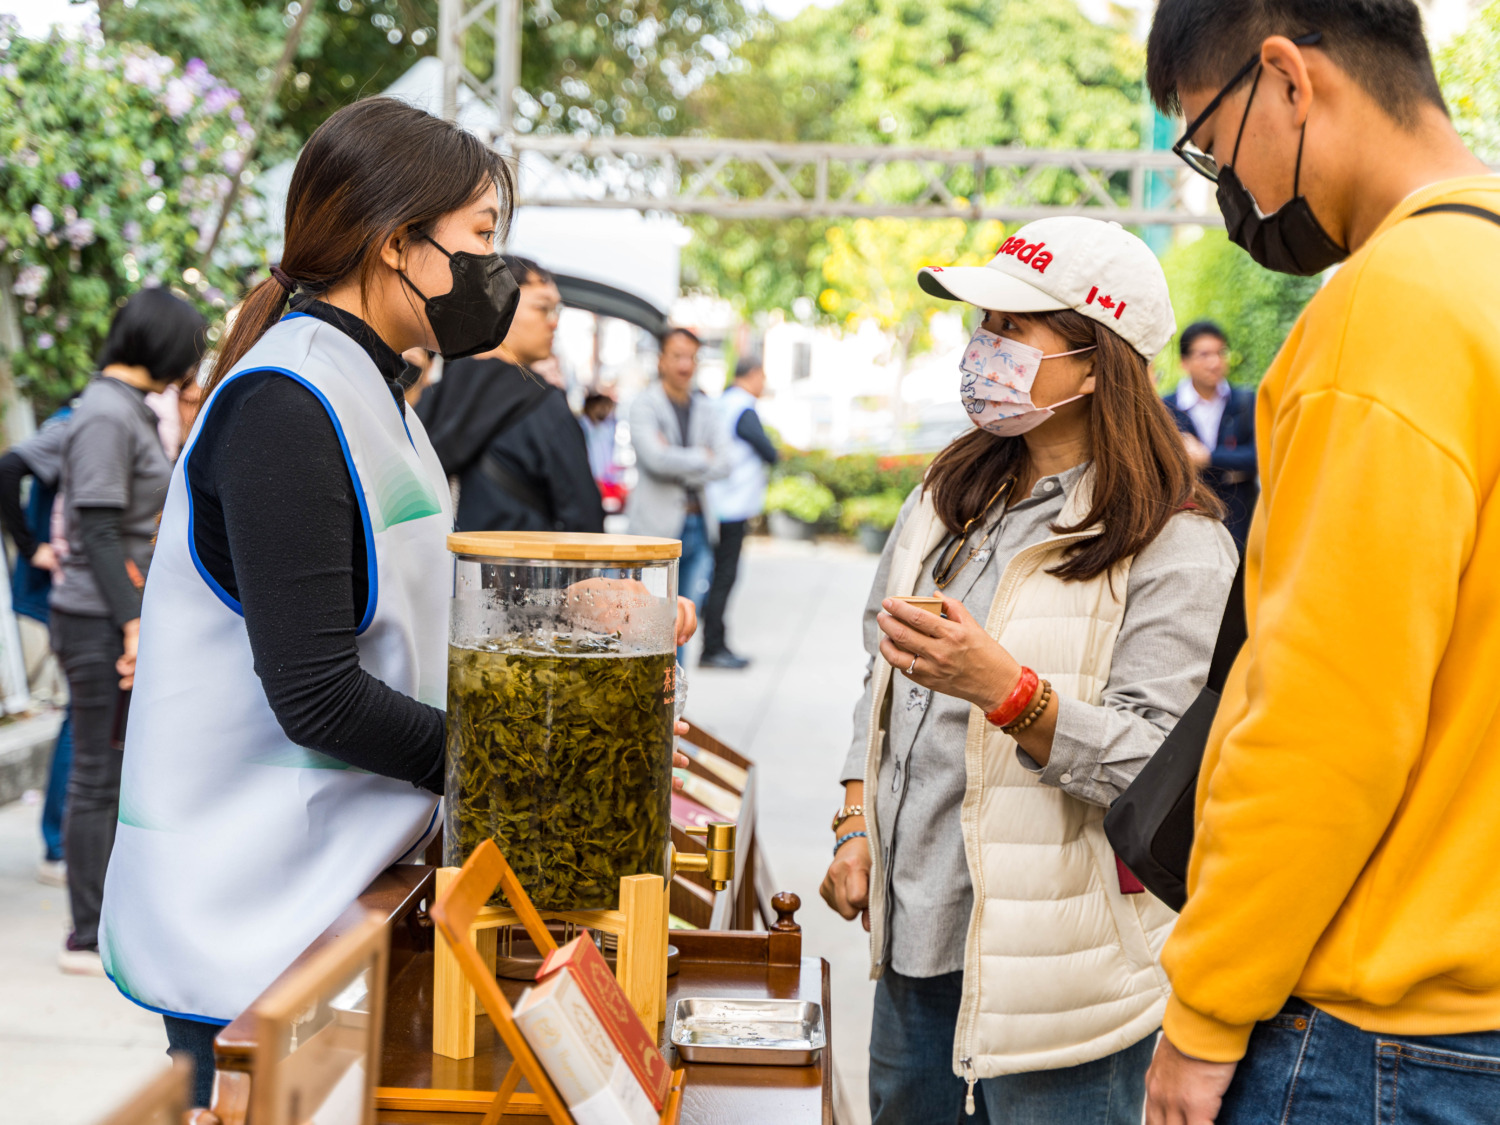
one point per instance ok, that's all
(460, 917)
(640, 924)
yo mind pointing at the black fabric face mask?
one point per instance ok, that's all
(1290, 239)
(474, 316)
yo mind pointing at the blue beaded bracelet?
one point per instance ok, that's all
(846, 837)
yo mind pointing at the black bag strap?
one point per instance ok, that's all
(1232, 633)
(1458, 209)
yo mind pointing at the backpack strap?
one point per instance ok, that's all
(1458, 209)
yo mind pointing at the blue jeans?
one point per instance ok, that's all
(1304, 1067)
(696, 570)
(912, 1080)
(195, 1040)
(57, 790)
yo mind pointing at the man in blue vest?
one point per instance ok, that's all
(1217, 424)
(735, 500)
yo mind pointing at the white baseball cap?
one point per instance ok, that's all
(1071, 262)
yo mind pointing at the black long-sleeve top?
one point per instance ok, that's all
(749, 430)
(13, 472)
(276, 523)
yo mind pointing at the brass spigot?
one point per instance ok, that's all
(718, 862)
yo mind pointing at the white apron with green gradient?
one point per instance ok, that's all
(236, 847)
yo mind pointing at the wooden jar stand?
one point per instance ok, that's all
(640, 924)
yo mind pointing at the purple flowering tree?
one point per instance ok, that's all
(114, 163)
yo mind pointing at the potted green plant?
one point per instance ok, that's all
(794, 505)
(872, 517)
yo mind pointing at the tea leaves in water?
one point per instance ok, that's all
(564, 759)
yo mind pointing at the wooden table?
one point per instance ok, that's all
(742, 964)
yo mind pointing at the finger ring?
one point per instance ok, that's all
(913, 667)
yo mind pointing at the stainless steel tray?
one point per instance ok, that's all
(753, 1032)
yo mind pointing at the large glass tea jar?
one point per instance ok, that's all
(561, 665)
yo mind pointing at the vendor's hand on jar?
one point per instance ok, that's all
(679, 759)
(952, 654)
(687, 620)
(846, 887)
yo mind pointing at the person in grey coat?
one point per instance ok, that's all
(680, 445)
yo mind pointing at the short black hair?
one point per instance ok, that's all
(688, 332)
(159, 331)
(1199, 328)
(1199, 44)
(526, 271)
(747, 365)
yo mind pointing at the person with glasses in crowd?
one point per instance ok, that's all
(1335, 960)
(1082, 574)
(1217, 423)
(507, 434)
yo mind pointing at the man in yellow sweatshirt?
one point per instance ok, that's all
(1338, 959)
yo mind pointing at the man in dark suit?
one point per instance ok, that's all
(1217, 423)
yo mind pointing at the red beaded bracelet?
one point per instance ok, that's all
(1016, 702)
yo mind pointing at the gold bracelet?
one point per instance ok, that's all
(1037, 709)
(846, 813)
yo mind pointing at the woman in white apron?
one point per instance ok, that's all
(286, 734)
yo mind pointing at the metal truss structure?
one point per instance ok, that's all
(735, 179)
(765, 180)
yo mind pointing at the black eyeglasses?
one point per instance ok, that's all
(1193, 156)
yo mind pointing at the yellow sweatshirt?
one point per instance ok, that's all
(1348, 813)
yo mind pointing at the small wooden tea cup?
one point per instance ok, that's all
(931, 603)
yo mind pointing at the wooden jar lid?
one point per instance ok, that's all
(569, 546)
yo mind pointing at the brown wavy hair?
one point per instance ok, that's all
(1142, 476)
(373, 168)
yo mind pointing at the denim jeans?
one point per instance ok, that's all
(912, 1080)
(1304, 1067)
(195, 1039)
(57, 790)
(695, 571)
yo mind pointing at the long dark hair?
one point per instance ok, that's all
(1142, 476)
(373, 168)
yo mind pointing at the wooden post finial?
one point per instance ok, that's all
(786, 904)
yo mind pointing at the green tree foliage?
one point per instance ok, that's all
(870, 269)
(113, 164)
(1212, 279)
(622, 66)
(348, 48)
(595, 66)
(945, 73)
(1466, 68)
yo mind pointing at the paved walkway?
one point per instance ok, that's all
(795, 612)
(70, 1047)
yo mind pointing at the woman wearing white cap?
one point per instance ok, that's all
(1082, 577)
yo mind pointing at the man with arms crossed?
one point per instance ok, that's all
(1343, 913)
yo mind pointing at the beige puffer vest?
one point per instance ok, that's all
(1060, 967)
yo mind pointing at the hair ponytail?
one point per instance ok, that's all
(373, 168)
(260, 309)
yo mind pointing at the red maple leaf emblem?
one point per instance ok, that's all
(1107, 302)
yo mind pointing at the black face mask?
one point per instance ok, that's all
(1289, 240)
(475, 314)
